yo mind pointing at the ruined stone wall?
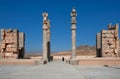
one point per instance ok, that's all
(21, 45)
(11, 43)
(109, 39)
(0, 46)
(119, 47)
(0, 51)
(0, 41)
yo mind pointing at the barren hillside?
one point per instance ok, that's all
(81, 50)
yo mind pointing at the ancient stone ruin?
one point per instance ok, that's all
(0, 50)
(73, 30)
(12, 44)
(46, 38)
(107, 42)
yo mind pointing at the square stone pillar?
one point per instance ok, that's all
(21, 45)
(98, 45)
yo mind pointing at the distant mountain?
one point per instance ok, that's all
(86, 48)
(81, 50)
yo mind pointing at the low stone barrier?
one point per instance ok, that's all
(96, 62)
(19, 62)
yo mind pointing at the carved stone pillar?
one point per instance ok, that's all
(73, 29)
(45, 28)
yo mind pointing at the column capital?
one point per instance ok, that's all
(45, 16)
(45, 21)
(45, 27)
(73, 15)
(73, 27)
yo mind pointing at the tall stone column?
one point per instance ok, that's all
(98, 45)
(2, 42)
(73, 29)
(48, 39)
(45, 28)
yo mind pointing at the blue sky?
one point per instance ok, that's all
(26, 15)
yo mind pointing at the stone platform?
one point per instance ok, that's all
(58, 70)
(96, 61)
(19, 62)
(52, 70)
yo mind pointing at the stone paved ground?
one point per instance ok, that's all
(59, 70)
(99, 72)
(53, 70)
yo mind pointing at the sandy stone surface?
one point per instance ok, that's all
(58, 70)
(99, 72)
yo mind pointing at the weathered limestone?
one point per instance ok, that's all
(21, 45)
(0, 51)
(0, 46)
(46, 38)
(73, 29)
(10, 44)
(98, 45)
(0, 42)
(107, 43)
(119, 47)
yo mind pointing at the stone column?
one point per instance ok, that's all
(48, 39)
(45, 28)
(21, 45)
(98, 45)
(73, 29)
(2, 42)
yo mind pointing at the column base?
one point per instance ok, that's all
(74, 61)
(44, 61)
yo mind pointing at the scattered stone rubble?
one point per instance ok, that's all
(12, 44)
(107, 42)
